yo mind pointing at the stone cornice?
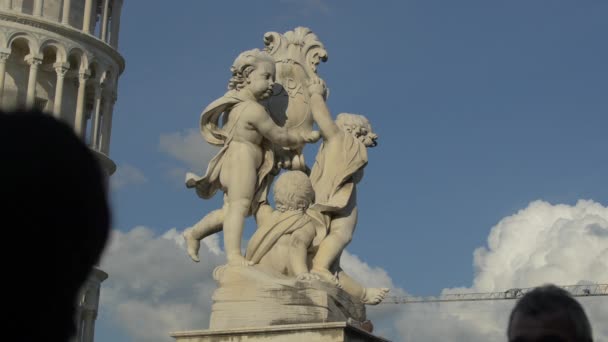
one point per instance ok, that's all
(106, 163)
(66, 31)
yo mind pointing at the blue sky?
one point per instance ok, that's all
(481, 107)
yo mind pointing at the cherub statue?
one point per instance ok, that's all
(242, 167)
(287, 239)
(284, 237)
(337, 170)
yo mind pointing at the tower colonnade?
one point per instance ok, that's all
(100, 18)
(60, 56)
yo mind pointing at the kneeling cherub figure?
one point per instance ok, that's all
(288, 238)
(284, 237)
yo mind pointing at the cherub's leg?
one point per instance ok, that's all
(369, 295)
(298, 252)
(340, 234)
(240, 187)
(210, 224)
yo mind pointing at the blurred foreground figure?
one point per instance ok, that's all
(56, 216)
(548, 314)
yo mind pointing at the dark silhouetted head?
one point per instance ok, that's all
(548, 314)
(56, 219)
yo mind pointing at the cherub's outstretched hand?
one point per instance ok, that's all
(317, 86)
(311, 137)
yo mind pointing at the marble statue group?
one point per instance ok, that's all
(262, 123)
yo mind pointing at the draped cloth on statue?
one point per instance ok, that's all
(265, 237)
(332, 174)
(214, 133)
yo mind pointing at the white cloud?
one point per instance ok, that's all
(188, 147)
(558, 243)
(126, 174)
(540, 244)
(153, 287)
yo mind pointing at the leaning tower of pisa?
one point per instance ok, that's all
(60, 56)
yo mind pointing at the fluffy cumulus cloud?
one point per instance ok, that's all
(189, 148)
(154, 288)
(559, 243)
(540, 244)
(127, 174)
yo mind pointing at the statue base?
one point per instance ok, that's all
(322, 332)
(256, 296)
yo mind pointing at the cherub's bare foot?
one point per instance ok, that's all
(326, 276)
(192, 244)
(374, 295)
(307, 277)
(238, 260)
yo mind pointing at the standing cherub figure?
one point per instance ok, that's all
(337, 170)
(241, 168)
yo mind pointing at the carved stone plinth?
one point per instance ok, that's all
(321, 332)
(257, 297)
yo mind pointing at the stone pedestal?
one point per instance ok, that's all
(257, 297)
(317, 332)
(257, 304)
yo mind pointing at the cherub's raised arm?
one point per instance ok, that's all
(277, 134)
(320, 112)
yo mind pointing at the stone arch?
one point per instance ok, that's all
(47, 77)
(21, 45)
(95, 69)
(18, 36)
(78, 54)
(106, 75)
(92, 91)
(111, 76)
(59, 49)
(50, 55)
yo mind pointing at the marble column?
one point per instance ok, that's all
(61, 69)
(116, 9)
(79, 121)
(3, 58)
(103, 33)
(108, 107)
(34, 62)
(38, 8)
(65, 17)
(95, 131)
(88, 325)
(8, 4)
(86, 19)
(89, 304)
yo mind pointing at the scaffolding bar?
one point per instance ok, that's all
(510, 294)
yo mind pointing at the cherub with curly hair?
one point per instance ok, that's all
(242, 167)
(284, 238)
(337, 170)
